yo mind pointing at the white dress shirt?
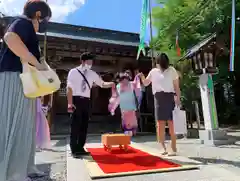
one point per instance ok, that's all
(74, 81)
(162, 81)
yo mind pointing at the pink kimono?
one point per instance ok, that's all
(125, 96)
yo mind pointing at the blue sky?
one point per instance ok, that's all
(121, 15)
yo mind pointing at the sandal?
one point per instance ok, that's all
(172, 154)
(164, 153)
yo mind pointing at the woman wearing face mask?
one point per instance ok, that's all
(17, 113)
(165, 85)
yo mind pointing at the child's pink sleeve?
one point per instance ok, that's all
(137, 85)
(113, 101)
(114, 105)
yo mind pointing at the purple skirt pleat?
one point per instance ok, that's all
(42, 128)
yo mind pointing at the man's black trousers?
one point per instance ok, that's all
(79, 124)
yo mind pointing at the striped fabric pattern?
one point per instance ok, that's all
(17, 129)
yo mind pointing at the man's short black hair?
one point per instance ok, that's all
(87, 56)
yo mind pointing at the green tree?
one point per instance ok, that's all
(195, 20)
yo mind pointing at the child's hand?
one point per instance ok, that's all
(141, 75)
(45, 109)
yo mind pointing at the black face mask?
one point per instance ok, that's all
(43, 26)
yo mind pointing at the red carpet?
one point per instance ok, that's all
(119, 161)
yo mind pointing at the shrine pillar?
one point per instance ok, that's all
(211, 134)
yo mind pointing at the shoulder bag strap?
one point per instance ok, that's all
(84, 79)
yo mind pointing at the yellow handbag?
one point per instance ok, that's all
(39, 83)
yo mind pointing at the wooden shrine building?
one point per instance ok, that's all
(65, 43)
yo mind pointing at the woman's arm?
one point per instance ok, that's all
(17, 46)
(176, 85)
(98, 80)
(177, 90)
(146, 81)
(107, 84)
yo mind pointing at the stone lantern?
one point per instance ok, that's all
(203, 59)
(204, 62)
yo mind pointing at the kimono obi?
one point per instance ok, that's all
(127, 99)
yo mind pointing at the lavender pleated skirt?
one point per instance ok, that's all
(42, 128)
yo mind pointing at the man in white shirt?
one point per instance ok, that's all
(79, 83)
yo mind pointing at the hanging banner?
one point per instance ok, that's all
(232, 48)
(177, 44)
(143, 28)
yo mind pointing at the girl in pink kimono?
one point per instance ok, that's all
(125, 95)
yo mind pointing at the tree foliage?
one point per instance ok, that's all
(194, 19)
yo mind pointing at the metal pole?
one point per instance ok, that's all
(152, 53)
(49, 115)
(151, 31)
(45, 44)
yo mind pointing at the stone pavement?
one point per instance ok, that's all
(216, 163)
(227, 156)
(53, 161)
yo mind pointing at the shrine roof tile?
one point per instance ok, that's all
(198, 46)
(61, 30)
(93, 39)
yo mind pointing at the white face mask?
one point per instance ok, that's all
(87, 66)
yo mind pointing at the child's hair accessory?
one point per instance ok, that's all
(124, 75)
